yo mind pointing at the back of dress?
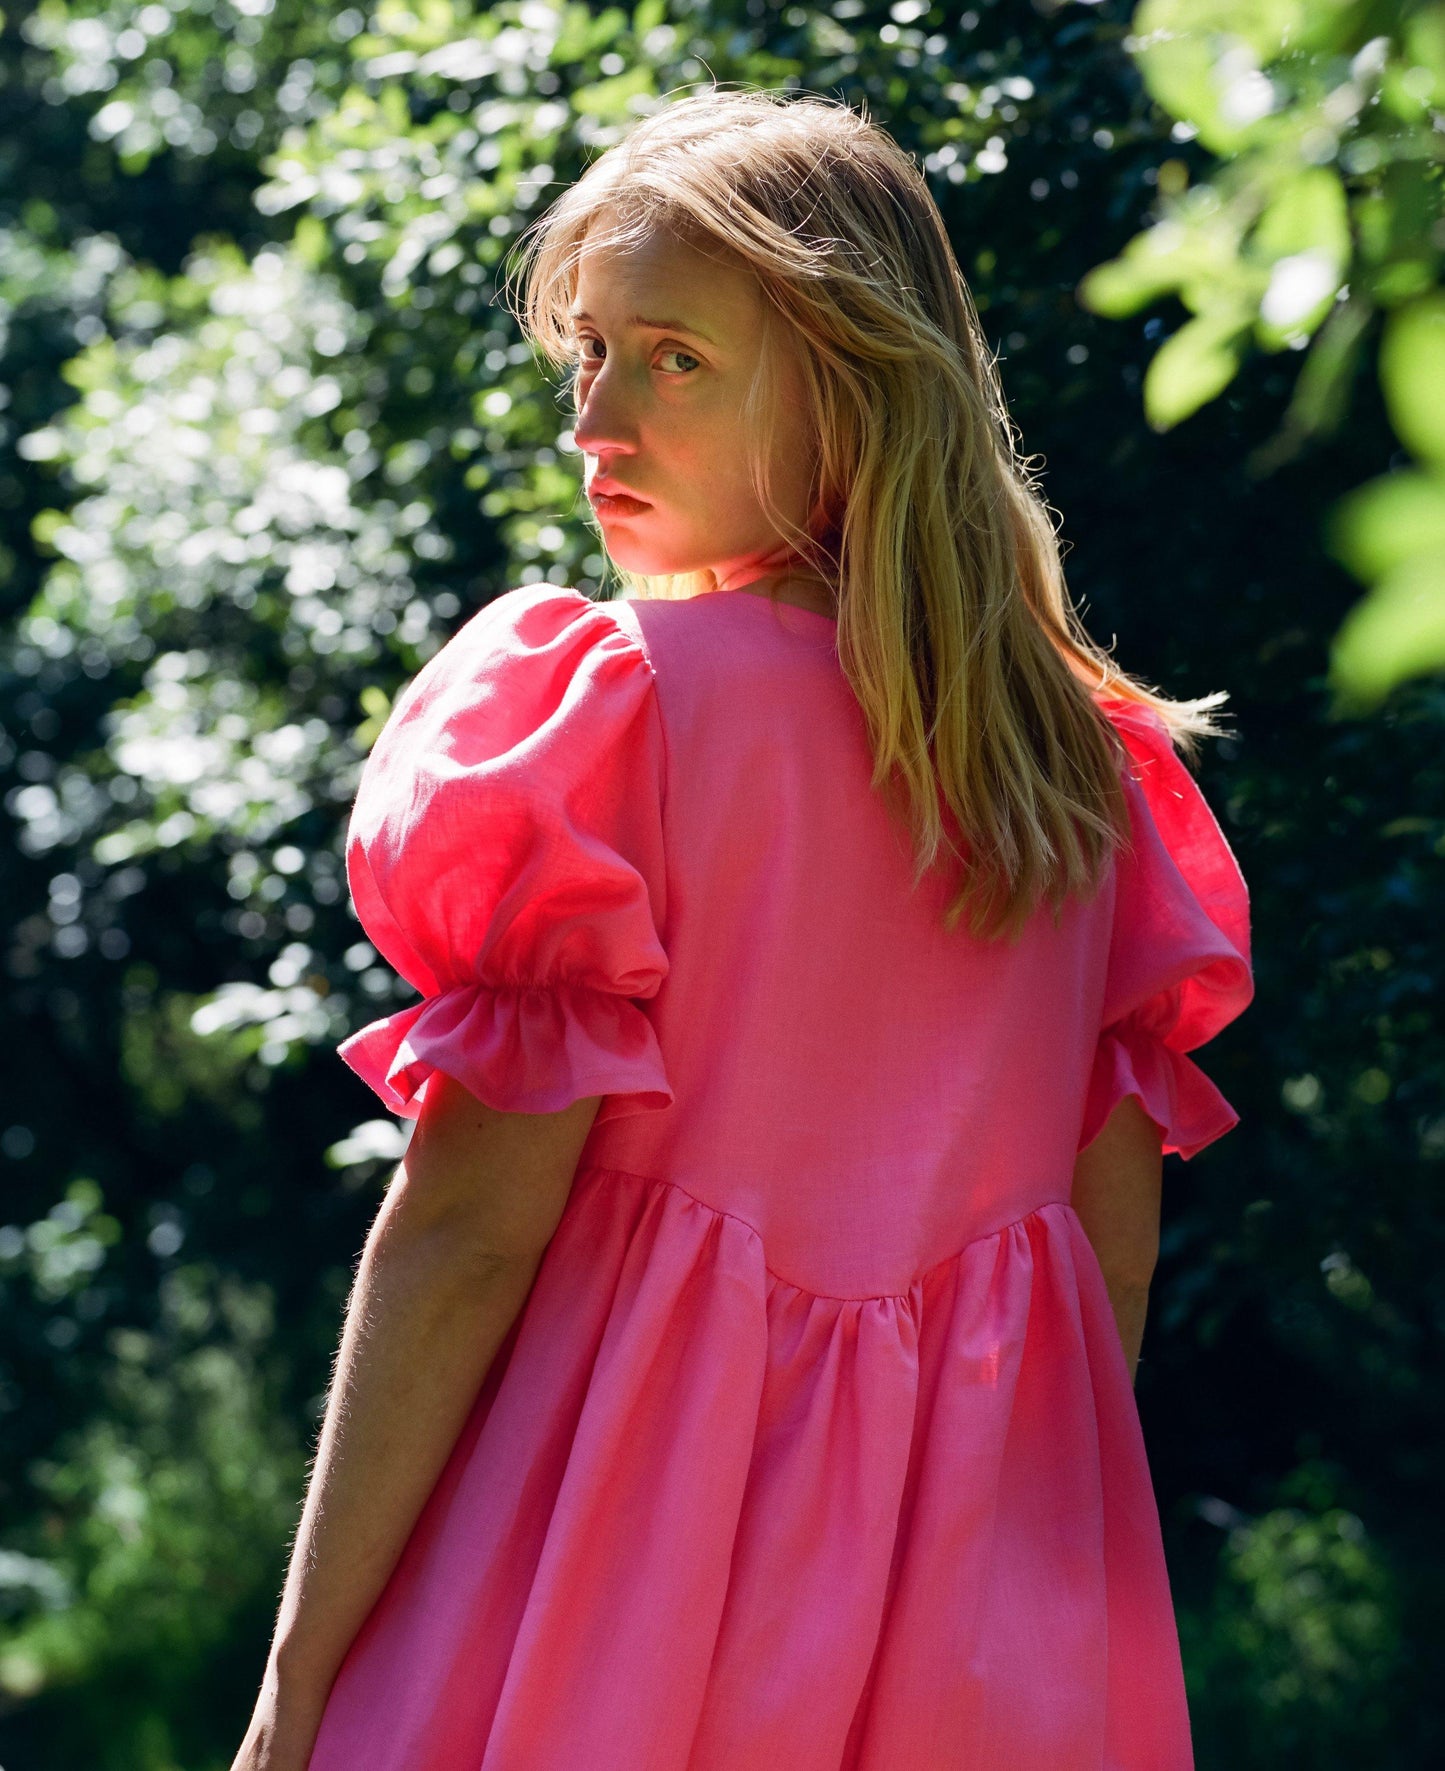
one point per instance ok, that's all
(865, 1088)
(815, 1442)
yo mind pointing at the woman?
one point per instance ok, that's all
(739, 1369)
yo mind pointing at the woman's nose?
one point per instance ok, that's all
(606, 416)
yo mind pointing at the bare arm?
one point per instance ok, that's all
(447, 1266)
(1116, 1194)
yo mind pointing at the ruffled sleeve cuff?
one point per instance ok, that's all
(1173, 1090)
(519, 1049)
(1179, 966)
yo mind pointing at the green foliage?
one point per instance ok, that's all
(1325, 205)
(1304, 1634)
(161, 1518)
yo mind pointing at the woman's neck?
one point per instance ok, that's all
(783, 590)
(786, 579)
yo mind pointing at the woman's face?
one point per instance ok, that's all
(668, 339)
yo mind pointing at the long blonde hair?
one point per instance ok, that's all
(975, 675)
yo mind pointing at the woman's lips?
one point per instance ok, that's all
(617, 504)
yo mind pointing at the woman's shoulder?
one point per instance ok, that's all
(726, 642)
(1143, 731)
(540, 686)
(540, 617)
(534, 647)
(1180, 865)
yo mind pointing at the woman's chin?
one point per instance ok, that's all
(631, 554)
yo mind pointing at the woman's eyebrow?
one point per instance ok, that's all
(641, 320)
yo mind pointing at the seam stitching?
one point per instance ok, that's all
(595, 1170)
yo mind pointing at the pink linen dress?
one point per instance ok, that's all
(814, 1446)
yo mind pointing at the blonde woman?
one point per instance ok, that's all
(809, 943)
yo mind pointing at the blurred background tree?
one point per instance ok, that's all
(1326, 207)
(268, 435)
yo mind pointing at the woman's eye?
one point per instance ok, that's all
(591, 362)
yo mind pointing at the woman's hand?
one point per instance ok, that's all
(283, 1729)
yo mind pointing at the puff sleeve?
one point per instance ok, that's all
(505, 855)
(1179, 966)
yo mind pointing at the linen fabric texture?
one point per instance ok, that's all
(814, 1443)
